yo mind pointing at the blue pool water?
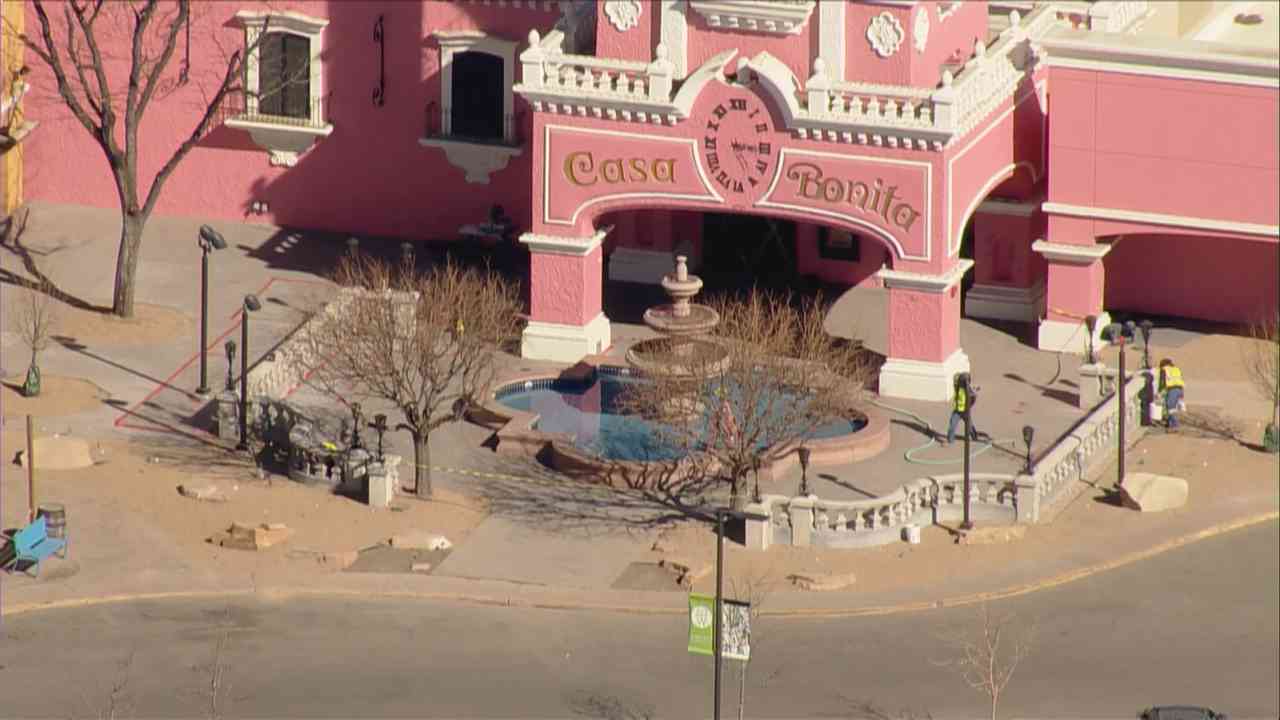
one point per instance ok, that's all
(591, 412)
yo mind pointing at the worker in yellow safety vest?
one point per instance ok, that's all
(963, 398)
(1171, 384)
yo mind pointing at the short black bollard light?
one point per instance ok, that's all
(209, 240)
(804, 470)
(1028, 434)
(755, 468)
(1090, 323)
(406, 253)
(251, 304)
(379, 426)
(1146, 326)
(353, 245)
(230, 348)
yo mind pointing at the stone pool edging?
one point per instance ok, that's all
(516, 435)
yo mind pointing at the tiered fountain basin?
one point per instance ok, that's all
(564, 421)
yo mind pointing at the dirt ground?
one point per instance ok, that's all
(142, 478)
(150, 324)
(59, 396)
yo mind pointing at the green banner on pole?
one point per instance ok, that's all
(735, 627)
(702, 615)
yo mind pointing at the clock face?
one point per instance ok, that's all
(737, 146)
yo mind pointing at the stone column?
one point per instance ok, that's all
(924, 334)
(801, 509)
(759, 532)
(1074, 292)
(1008, 276)
(566, 278)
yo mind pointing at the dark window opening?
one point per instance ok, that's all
(478, 94)
(836, 244)
(284, 75)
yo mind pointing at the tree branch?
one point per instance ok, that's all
(51, 57)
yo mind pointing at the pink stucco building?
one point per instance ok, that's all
(1039, 162)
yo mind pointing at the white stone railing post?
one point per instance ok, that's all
(818, 89)
(760, 532)
(659, 75)
(801, 509)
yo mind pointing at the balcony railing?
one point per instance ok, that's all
(448, 123)
(247, 110)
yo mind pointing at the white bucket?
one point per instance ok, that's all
(911, 534)
(1156, 410)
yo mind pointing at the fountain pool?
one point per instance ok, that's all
(591, 412)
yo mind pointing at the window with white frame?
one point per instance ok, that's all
(476, 75)
(283, 83)
(474, 121)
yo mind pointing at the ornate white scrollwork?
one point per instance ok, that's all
(920, 31)
(623, 14)
(885, 34)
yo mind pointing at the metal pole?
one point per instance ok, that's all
(31, 471)
(719, 609)
(1120, 399)
(203, 389)
(244, 379)
(967, 524)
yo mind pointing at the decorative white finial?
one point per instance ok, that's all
(1014, 18)
(682, 268)
(661, 51)
(819, 67)
(947, 78)
(534, 38)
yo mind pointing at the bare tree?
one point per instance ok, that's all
(1262, 363)
(753, 392)
(34, 318)
(987, 658)
(80, 56)
(425, 342)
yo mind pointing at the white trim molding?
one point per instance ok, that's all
(1070, 254)
(558, 245)
(1148, 218)
(1177, 59)
(558, 342)
(478, 160)
(831, 38)
(885, 34)
(674, 35)
(284, 141)
(920, 282)
(780, 17)
(1001, 302)
(920, 29)
(623, 14)
(922, 380)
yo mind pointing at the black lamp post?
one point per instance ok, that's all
(355, 426)
(804, 470)
(1090, 323)
(1117, 333)
(1028, 434)
(230, 347)
(1146, 326)
(379, 426)
(755, 467)
(209, 239)
(721, 514)
(251, 304)
(967, 523)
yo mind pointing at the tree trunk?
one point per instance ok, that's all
(742, 688)
(131, 227)
(421, 465)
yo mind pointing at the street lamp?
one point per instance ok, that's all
(1146, 326)
(251, 304)
(967, 524)
(804, 470)
(209, 239)
(230, 347)
(355, 426)
(1090, 323)
(1117, 333)
(1028, 434)
(721, 514)
(379, 426)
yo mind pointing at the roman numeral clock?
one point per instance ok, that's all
(737, 148)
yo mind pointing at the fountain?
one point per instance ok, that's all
(681, 349)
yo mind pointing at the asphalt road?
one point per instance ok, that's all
(1200, 624)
